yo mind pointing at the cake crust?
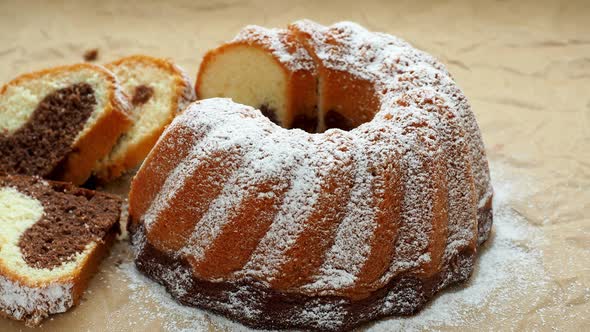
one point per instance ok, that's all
(272, 309)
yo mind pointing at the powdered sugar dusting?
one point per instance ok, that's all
(294, 211)
(421, 167)
(279, 43)
(326, 160)
(33, 304)
(155, 303)
(396, 67)
(323, 315)
(417, 147)
(462, 196)
(260, 165)
(346, 257)
(223, 136)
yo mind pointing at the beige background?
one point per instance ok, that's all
(525, 66)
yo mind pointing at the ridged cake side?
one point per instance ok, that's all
(342, 270)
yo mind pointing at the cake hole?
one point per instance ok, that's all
(305, 123)
(334, 119)
(270, 113)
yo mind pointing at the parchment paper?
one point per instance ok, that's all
(524, 65)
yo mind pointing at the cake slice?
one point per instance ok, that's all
(58, 122)
(158, 90)
(267, 69)
(53, 236)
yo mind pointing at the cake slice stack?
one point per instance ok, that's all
(68, 123)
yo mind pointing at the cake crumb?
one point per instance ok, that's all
(91, 55)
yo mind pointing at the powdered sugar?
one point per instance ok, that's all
(33, 304)
(260, 166)
(323, 315)
(323, 163)
(293, 213)
(223, 137)
(174, 316)
(396, 67)
(422, 170)
(351, 246)
(280, 43)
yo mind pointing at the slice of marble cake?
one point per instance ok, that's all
(53, 236)
(57, 123)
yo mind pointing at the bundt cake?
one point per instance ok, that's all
(369, 214)
(158, 91)
(52, 239)
(58, 123)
